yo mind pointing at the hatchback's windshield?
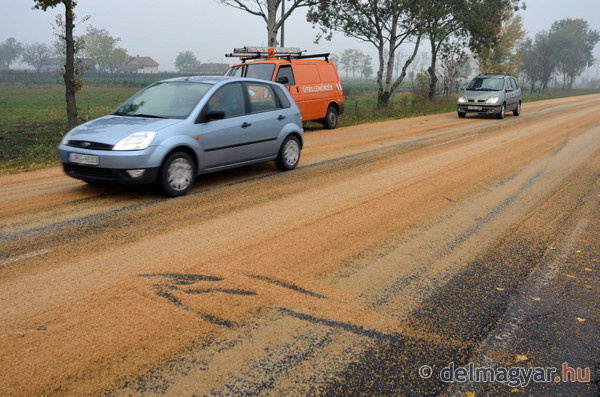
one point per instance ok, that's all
(263, 71)
(486, 84)
(164, 100)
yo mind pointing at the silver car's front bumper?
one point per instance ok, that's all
(479, 108)
(113, 166)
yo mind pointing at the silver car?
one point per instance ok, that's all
(490, 94)
(176, 129)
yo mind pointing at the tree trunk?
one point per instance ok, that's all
(272, 27)
(432, 77)
(383, 99)
(69, 75)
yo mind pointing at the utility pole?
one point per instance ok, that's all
(282, 22)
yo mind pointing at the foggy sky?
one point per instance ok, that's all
(162, 29)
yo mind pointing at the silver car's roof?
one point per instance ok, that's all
(199, 79)
(214, 79)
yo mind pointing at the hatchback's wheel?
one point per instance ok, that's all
(331, 119)
(502, 112)
(289, 154)
(177, 174)
(462, 115)
(517, 110)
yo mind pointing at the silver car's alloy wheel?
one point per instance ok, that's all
(180, 174)
(502, 112)
(291, 153)
(517, 111)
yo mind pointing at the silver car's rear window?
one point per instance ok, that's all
(165, 100)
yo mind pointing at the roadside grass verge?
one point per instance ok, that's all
(33, 119)
(33, 115)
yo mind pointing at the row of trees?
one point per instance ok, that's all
(455, 30)
(565, 50)
(387, 24)
(352, 60)
(96, 46)
(449, 26)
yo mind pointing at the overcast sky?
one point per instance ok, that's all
(162, 29)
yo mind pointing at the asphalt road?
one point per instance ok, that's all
(432, 255)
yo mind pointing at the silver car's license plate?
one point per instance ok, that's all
(87, 159)
(475, 108)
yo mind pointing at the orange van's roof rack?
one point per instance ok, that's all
(289, 53)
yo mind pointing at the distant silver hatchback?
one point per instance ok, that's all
(490, 94)
(176, 129)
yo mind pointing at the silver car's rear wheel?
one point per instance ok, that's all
(517, 110)
(177, 174)
(289, 154)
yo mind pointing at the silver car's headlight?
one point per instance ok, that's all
(136, 141)
(462, 99)
(492, 100)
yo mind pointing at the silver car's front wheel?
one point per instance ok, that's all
(502, 112)
(177, 174)
(289, 154)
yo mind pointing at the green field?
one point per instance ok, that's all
(33, 116)
(33, 119)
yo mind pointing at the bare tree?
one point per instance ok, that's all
(268, 10)
(36, 55)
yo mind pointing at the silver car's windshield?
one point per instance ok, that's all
(164, 100)
(486, 84)
(263, 71)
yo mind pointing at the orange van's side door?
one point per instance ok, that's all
(310, 90)
(313, 85)
(329, 76)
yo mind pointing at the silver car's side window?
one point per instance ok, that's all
(262, 98)
(229, 99)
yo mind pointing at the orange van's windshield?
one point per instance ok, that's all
(262, 71)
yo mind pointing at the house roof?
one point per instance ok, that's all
(141, 61)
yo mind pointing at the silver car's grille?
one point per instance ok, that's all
(89, 145)
(82, 171)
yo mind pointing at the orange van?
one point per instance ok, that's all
(313, 83)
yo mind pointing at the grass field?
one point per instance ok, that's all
(33, 119)
(33, 116)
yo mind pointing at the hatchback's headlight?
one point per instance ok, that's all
(492, 100)
(462, 99)
(136, 141)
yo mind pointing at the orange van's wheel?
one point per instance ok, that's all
(331, 119)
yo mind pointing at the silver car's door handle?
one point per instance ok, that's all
(281, 117)
(246, 125)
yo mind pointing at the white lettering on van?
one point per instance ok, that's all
(318, 88)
